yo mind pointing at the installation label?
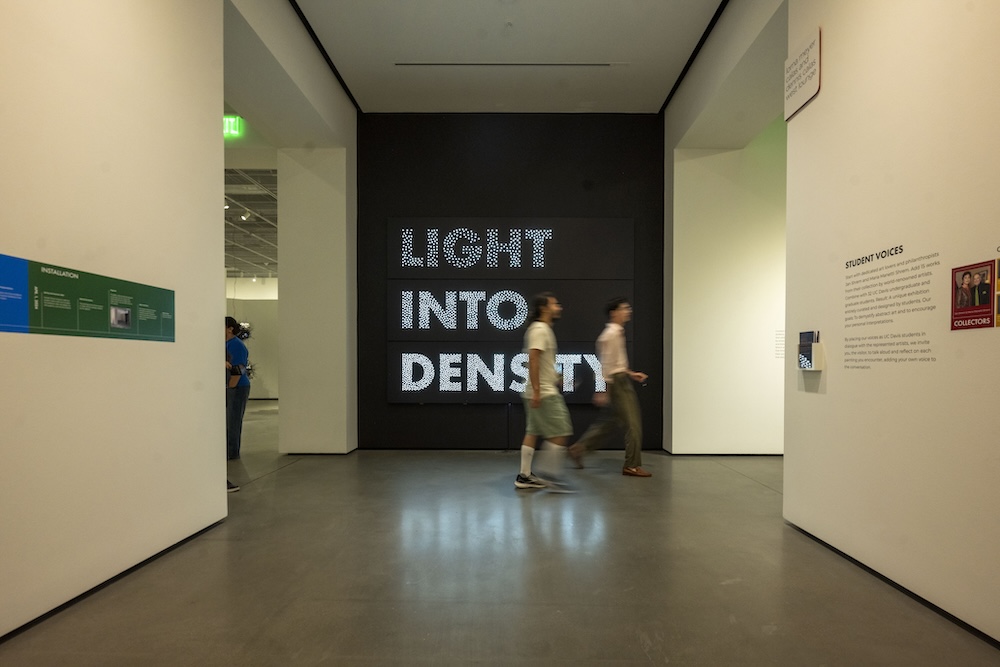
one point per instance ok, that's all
(45, 299)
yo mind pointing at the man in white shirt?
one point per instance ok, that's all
(545, 410)
(620, 404)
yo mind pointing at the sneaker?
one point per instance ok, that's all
(230, 487)
(556, 485)
(528, 482)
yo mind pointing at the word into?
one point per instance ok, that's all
(419, 307)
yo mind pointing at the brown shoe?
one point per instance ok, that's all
(636, 472)
(575, 452)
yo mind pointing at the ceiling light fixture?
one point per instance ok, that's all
(246, 215)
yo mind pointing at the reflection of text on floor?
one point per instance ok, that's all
(895, 294)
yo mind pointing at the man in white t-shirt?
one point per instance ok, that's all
(544, 407)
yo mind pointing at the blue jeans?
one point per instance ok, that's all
(236, 405)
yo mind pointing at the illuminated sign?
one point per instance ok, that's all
(232, 126)
(460, 292)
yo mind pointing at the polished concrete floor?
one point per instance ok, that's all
(433, 558)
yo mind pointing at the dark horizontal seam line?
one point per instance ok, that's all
(435, 64)
(780, 492)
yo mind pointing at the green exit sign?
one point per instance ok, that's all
(232, 126)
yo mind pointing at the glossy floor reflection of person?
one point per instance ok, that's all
(434, 558)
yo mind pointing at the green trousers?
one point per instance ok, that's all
(621, 412)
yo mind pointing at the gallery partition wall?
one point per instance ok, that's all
(889, 455)
(109, 441)
(462, 219)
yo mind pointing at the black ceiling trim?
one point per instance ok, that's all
(694, 54)
(456, 64)
(326, 56)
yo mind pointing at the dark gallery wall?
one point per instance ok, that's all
(511, 167)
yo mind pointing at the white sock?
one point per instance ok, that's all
(550, 462)
(527, 454)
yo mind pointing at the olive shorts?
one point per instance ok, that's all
(550, 419)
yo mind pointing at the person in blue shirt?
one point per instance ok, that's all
(237, 387)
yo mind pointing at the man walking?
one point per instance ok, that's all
(620, 406)
(545, 410)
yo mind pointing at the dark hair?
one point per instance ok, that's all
(231, 323)
(613, 304)
(540, 301)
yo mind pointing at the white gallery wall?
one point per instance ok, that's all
(319, 359)
(891, 451)
(729, 297)
(251, 289)
(278, 81)
(890, 457)
(112, 450)
(725, 198)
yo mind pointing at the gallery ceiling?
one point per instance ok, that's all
(489, 56)
(251, 223)
(509, 56)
